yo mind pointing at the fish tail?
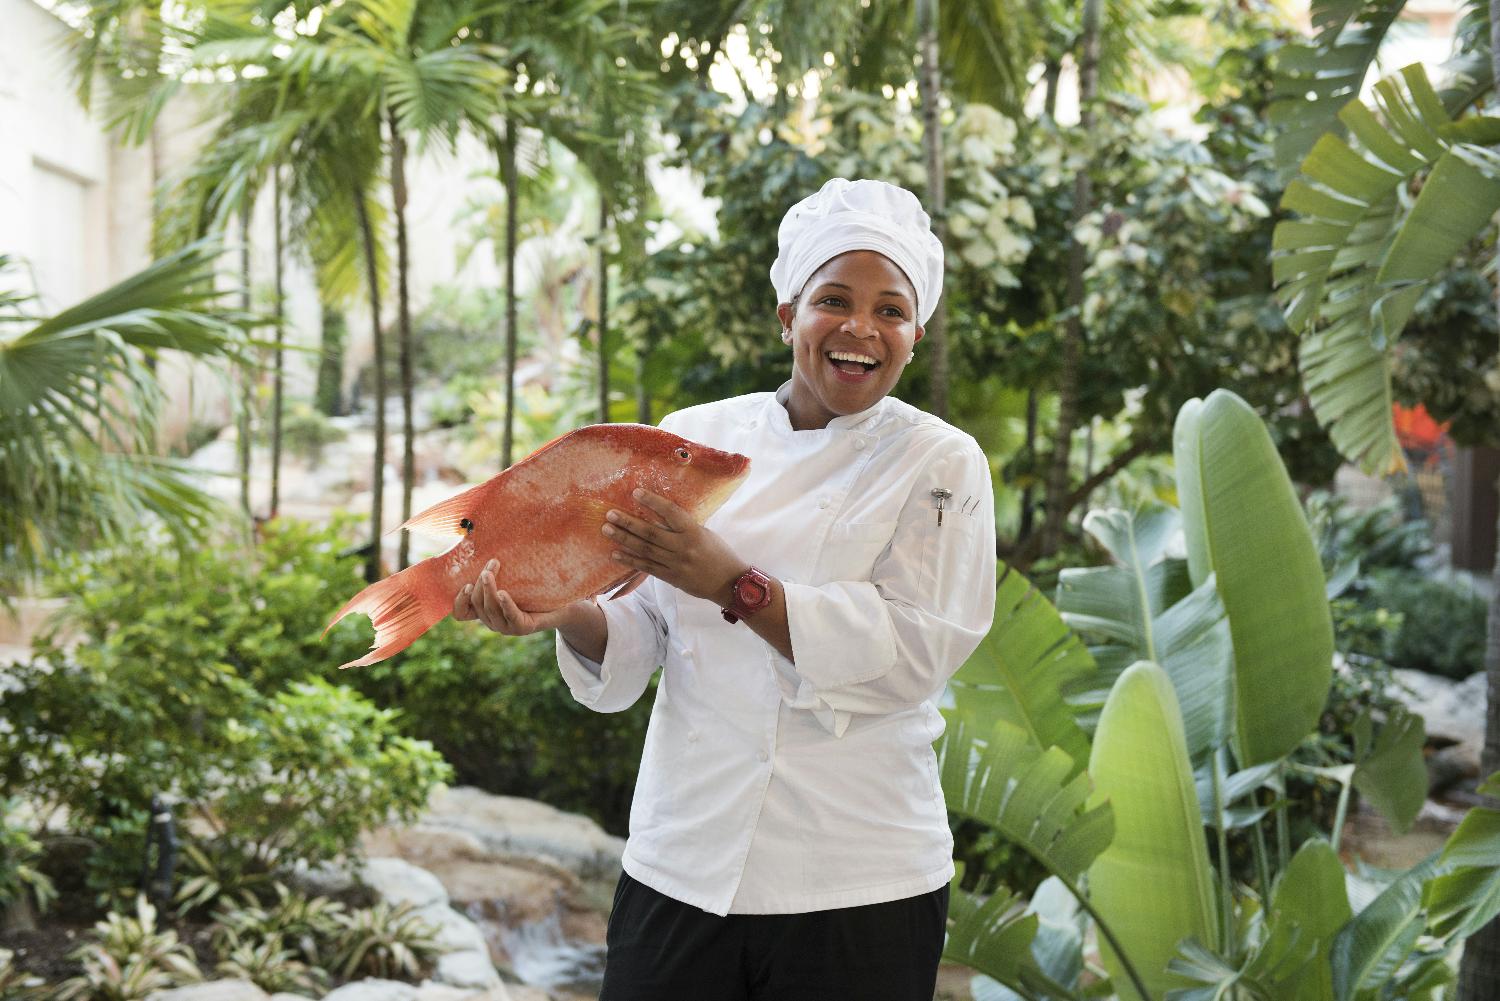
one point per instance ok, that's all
(402, 607)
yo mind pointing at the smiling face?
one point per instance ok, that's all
(852, 327)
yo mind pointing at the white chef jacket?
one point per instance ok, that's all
(772, 787)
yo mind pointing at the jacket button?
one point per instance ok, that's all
(763, 755)
(692, 735)
(859, 444)
(822, 502)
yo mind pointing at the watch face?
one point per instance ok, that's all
(751, 593)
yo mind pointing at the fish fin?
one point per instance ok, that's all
(401, 607)
(447, 517)
(631, 583)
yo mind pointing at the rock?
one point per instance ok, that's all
(373, 990)
(455, 933)
(526, 888)
(1454, 715)
(431, 990)
(283, 996)
(213, 990)
(470, 968)
(399, 882)
(521, 992)
(513, 826)
(326, 879)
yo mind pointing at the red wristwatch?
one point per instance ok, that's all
(752, 592)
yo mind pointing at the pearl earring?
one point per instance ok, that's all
(910, 356)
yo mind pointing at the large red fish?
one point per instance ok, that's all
(541, 520)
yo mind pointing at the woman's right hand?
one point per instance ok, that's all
(498, 610)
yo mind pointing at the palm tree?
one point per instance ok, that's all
(1352, 265)
(79, 405)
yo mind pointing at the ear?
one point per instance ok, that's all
(785, 314)
(921, 332)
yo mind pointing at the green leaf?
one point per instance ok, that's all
(1152, 884)
(992, 934)
(1143, 609)
(1019, 669)
(1243, 524)
(1467, 896)
(1391, 771)
(1310, 898)
(1369, 949)
(1034, 797)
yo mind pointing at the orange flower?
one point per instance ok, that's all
(1415, 428)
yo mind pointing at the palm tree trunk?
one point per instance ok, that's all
(377, 485)
(1480, 970)
(331, 362)
(1072, 345)
(642, 395)
(278, 373)
(403, 328)
(246, 388)
(603, 311)
(508, 179)
(929, 82)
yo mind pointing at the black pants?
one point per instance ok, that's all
(661, 949)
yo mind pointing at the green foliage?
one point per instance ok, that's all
(268, 964)
(19, 851)
(1442, 627)
(328, 396)
(187, 685)
(499, 711)
(384, 940)
(130, 958)
(15, 983)
(309, 926)
(304, 432)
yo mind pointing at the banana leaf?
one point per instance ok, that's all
(1310, 898)
(1467, 896)
(1019, 669)
(1152, 884)
(1244, 525)
(1372, 946)
(1145, 608)
(1035, 797)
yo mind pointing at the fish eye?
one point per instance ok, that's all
(683, 455)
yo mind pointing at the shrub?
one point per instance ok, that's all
(268, 964)
(1442, 623)
(499, 711)
(309, 926)
(19, 851)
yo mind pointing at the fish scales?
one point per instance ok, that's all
(540, 520)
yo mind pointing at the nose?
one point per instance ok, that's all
(859, 326)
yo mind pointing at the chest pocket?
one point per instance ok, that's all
(853, 547)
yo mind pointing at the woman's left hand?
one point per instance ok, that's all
(679, 551)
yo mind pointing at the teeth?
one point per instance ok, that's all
(849, 356)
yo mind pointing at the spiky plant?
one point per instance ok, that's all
(131, 959)
(268, 964)
(385, 940)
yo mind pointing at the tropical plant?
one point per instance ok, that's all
(15, 983)
(384, 940)
(265, 962)
(308, 925)
(1215, 659)
(21, 883)
(78, 412)
(1382, 213)
(130, 958)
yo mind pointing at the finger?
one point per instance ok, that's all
(673, 516)
(638, 527)
(489, 603)
(641, 563)
(463, 606)
(636, 543)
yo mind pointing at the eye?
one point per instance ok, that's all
(832, 300)
(895, 312)
(683, 455)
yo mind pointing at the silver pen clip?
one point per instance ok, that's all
(941, 495)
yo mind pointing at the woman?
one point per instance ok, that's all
(788, 837)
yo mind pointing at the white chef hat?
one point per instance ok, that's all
(859, 215)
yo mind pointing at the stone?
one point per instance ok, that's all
(510, 825)
(373, 990)
(284, 996)
(1453, 712)
(397, 881)
(470, 968)
(455, 933)
(521, 992)
(213, 990)
(326, 879)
